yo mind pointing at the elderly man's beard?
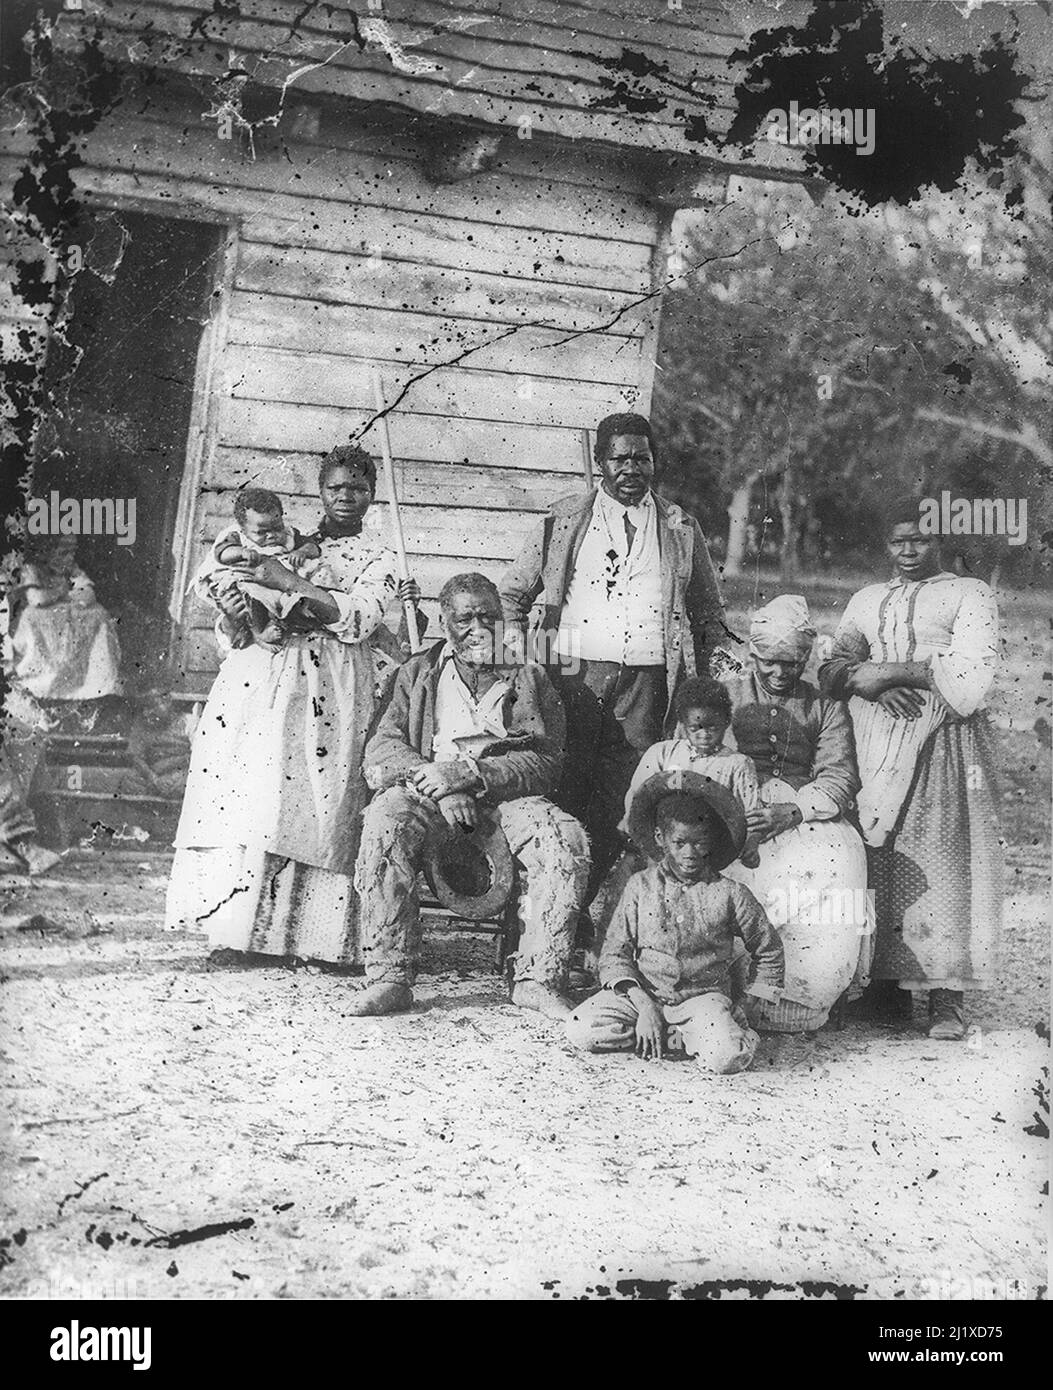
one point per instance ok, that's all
(478, 649)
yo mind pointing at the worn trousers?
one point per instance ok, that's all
(550, 849)
(709, 1028)
(614, 714)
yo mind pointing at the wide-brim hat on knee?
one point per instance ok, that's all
(725, 805)
(470, 871)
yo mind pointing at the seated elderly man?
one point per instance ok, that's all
(463, 730)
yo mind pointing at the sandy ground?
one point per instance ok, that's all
(177, 1131)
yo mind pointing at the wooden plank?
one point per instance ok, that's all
(288, 220)
(644, 25)
(425, 438)
(438, 56)
(300, 325)
(695, 17)
(609, 188)
(193, 150)
(395, 137)
(659, 272)
(521, 23)
(503, 44)
(551, 258)
(455, 484)
(458, 91)
(268, 374)
(326, 277)
(204, 415)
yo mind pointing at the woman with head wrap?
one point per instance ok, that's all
(915, 658)
(270, 823)
(812, 876)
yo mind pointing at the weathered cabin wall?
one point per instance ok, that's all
(525, 280)
(634, 73)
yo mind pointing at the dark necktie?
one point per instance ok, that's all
(630, 532)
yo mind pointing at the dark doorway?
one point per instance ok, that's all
(120, 391)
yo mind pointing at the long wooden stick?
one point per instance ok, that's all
(586, 458)
(393, 507)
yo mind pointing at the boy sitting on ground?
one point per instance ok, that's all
(666, 964)
(703, 716)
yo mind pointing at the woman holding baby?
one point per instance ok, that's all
(270, 822)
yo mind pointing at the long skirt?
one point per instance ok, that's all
(272, 812)
(255, 901)
(67, 652)
(938, 878)
(812, 883)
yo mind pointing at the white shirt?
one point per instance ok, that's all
(947, 618)
(613, 606)
(465, 726)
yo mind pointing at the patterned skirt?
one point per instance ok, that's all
(938, 878)
(257, 901)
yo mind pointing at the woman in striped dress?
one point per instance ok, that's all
(271, 815)
(915, 658)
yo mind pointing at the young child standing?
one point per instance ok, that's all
(259, 530)
(666, 965)
(703, 711)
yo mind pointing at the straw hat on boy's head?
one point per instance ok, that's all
(711, 799)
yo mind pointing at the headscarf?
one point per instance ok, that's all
(782, 630)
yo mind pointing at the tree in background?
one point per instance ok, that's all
(844, 355)
(896, 334)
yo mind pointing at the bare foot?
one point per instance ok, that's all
(528, 994)
(381, 999)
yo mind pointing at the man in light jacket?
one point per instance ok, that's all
(632, 604)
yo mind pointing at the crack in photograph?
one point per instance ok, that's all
(526, 657)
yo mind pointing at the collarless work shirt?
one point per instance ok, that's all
(677, 940)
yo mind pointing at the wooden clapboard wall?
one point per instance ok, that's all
(497, 275)
(526, 279)
(517, 297)
(646, 73)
